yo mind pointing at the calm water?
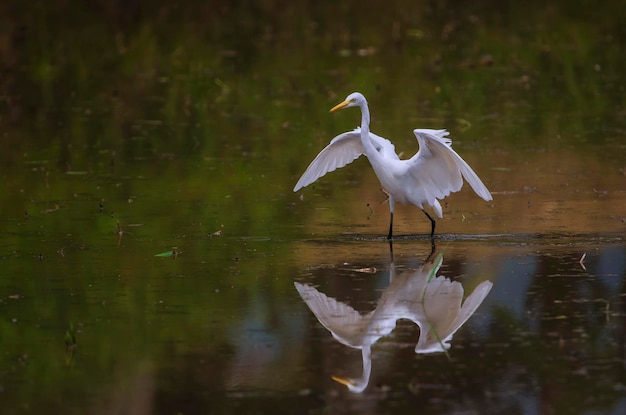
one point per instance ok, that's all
(155, 260)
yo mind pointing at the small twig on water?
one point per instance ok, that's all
(120, 232)
(387, 194)
(582, 261)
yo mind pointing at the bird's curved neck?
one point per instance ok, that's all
(365, 130)
(361, 384)
(365, 117)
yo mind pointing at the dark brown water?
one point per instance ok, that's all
(154, 258)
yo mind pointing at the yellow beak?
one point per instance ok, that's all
(339, 106)
(343, 381)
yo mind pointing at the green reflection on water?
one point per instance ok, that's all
(181, 121)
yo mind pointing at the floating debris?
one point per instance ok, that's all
(582, 261)
(121, 232)
(174, 253)
(70, 337)
(54, 209)
(600, 193)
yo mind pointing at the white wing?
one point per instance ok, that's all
(382, 145)
(439, 169)
(346, 324)
(342, 150)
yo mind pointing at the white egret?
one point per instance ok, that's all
(433, 302)
(434, 172)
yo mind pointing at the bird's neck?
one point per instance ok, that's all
(365, 130)
(361, 384)
(365, 117)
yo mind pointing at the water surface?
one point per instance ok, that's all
(154, 256)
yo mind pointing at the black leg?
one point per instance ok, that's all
(432, 223)
(390, 235)
(433, 249)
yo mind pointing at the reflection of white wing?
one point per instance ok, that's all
(443, 314)
(346, 324)
(470, 305)
(437, 170)
(342, 150)
(441, 303)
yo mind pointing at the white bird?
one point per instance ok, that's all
(432, 302)
(434, 172)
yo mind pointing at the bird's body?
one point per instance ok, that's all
(434, 172)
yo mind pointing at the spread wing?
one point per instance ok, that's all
(342, 150)
(439, 169)
(382, 145)
(444, 315)
(346, 324)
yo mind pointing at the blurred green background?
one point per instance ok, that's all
(130, 129)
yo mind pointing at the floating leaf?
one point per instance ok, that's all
(435, 267)
(169, 254)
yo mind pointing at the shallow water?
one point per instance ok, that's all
(155, 259)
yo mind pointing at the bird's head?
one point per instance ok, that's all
(353, 100)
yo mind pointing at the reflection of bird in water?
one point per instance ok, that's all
(434, 172)
(432, 302)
